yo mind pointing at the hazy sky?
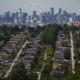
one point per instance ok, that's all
(39, 5)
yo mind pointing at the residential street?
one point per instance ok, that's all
(72, 52)
(45, 56)
(39, 73)
(13, 63)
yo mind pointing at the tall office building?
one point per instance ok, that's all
(52, 15)
(20, 17)
(73, 16)
(60, 11)
(52, 11)
(59, 16)
(20, 14)
(34, 17)
(65, 18)
(14, 17)
(34, 13)
(78, 17)
(1, 19)
(24, 17)
(7, 17)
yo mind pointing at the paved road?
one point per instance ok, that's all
(14, 61)
(72, 52)
(39, 72)
(45, 55)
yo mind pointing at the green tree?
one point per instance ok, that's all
(18, 72)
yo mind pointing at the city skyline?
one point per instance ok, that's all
(39, 5)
